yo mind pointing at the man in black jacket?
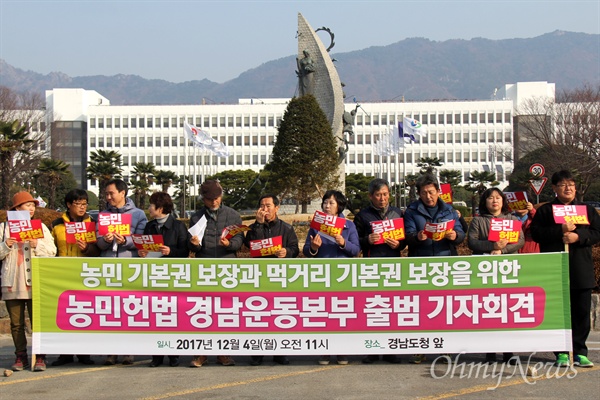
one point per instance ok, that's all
(553, 237)
(268, 225)
(379, 210)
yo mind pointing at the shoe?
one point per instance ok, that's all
(490, 358)
(85, 360)
(21, 362)
(156, 361)
(40, 364)
(391, 358)
(256, 360)
(62, 360)
(282, 360)
(417, 359)
(342, 360)
(582, 361)
(370, 359)
(562, 360)
(173, 361)
(127, 360)
(445, 358)
(225, 361)
(110, 360)
(198, 361)
(509, 358)
(324, 360)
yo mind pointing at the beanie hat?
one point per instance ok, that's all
(211, 189)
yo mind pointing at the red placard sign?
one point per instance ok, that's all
(330, 225)
(265, 247)
(446, 193)
(148, 242)
(85, 231)
(565, 213)
(232, 230)
(114, 223)
(504, 229)
(516, 200)
(437, 231)
(22, 230)
(388, 229)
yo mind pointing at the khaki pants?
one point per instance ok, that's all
(16, 312)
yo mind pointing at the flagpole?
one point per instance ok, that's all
(185, 143)
(195, 185)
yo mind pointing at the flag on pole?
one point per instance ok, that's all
(407, 137)
(203, 140)
(413, 127)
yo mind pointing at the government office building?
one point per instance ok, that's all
(467, 135)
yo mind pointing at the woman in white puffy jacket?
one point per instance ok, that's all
(16, 278)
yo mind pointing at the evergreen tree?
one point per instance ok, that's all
(305, 156)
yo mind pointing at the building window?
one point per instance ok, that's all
(425, 119)
(133, 122)
(125, 160)
(117, 141)
(141, 121)
(173, 160)
(173, 141)
(441, 119)
(125, 121)
(100, 142)
(165, 122)
(490, 118)
(92, 142)
(165, 141)
(149, 142)
(109, 123)
(109, 141)
(465, 118)
(125, 142)
(149, 122)
(101, 123)
(141, 142)
(482, 118)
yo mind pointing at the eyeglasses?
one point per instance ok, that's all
(564, 185)
(81, 205)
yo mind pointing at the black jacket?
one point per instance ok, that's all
(289, 240)
(363, 220)
(175, 235)
(549, 235)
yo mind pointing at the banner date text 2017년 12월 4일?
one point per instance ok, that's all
(508, 303)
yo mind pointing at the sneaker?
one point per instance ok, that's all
(342, 360)
(370, 359)
(85, 360)
(40, 364)
(21, 362)
(110, 360)
(225, 361)
(562, 360)
(324, 360)
(127, 360)
(198, 361)
(582, 361)
(417, 359)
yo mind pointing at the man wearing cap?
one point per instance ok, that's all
(212, 245)
(117, 245)
(16, 278)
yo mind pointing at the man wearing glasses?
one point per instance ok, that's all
(553, 237)
(76, 202)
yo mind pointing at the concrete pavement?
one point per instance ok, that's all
(304, 379)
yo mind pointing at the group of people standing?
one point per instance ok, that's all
(540, 233)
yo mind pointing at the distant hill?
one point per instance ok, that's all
(416, 68)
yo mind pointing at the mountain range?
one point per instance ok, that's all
(414, 69)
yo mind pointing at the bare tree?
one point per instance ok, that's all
(568, 130)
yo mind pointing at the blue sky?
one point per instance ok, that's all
(217, 40)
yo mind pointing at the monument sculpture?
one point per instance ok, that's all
(318, 76)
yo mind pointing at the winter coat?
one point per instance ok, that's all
(363, 220)
(415, 218)
(479, 231)
(175, 236)
(531, 246)
(329, 248)
(10, 257)
(71, 249)
(549, 235)
(138, 223)
(210, 246)
(277, 227)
